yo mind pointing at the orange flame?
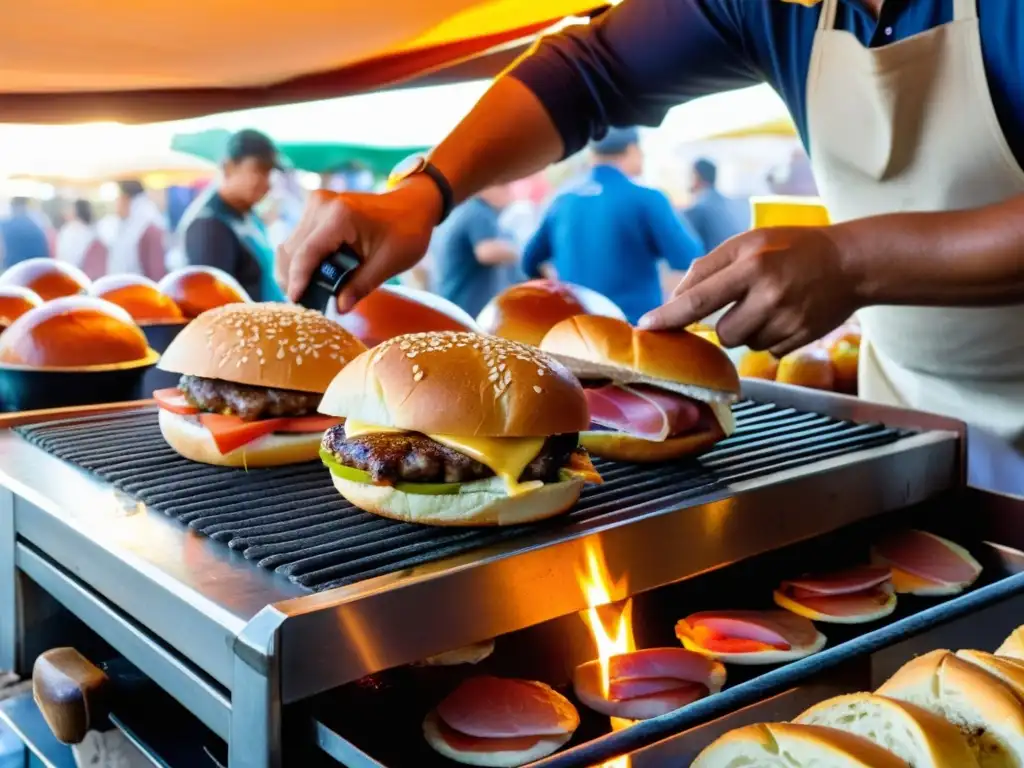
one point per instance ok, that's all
(599, 587)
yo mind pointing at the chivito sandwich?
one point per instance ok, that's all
(750, 637)
(252, 376)
(925, 564)
(652, 396)
(854, 596)
(452, 428)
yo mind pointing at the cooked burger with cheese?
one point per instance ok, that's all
(252, 378)
(653, 396)
(452, 428)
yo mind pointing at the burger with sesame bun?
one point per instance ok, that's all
(451, 428)
(252, 376)
(653, 396)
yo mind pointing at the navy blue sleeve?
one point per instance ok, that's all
(637, 61)
(538, 250)
(673, 239)
(210, 243)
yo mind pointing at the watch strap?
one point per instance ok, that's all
(445, 188)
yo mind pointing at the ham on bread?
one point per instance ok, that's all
(652, 396)
(925, 564)
(917, 736)
(985, 710)
(493, 721)
(853, 596)
(750, 637)
(648, 683)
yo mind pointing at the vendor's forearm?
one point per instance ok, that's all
(956, 258)
(507, 136)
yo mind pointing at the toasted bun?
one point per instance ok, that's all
(527, 311)
(543, 747)
(1013, 645)
(74, 332)
(618, 446)
(921, 738)
(48, 278)
(784, 745)
(605, 348)
(795, 606)
(198, 289)
(469, 654)
(484, 502)
(265, 345)
(15, 301)
(984, 709)
(1009, 671)
(394, 310)
(460, 384)
(139, 296)
(193, 441)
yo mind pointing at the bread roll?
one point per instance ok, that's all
(1013, 645)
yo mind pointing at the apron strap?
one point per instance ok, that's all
(965, 9)
(827, 19)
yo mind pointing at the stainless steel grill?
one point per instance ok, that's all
(292, 520)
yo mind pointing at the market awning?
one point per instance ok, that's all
(73, 60)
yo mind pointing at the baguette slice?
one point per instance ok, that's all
(787, 745)
(984, 709)
(1013, 645)
(1009, 671)
(913, 734)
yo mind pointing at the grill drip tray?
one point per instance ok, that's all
(291, 519)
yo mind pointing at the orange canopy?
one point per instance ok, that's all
(138, 60)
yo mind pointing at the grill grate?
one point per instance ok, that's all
(291, 519)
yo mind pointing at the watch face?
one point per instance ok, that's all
(406, 168)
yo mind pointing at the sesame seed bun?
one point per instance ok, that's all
(15, 301)
(527, 311)
(781, 745)
(193, 441)
(74, 332)
(139, 296)
(265, 345)
(48, 278)
(921, 738)
(460, 384)
(981, 706)
(596, 347)
(198, 289)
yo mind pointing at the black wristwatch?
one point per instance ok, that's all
(420, 164)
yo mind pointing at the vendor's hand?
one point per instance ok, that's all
(390, 232)
(790, 286)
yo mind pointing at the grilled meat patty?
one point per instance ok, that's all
(414, 458)
(247, 402)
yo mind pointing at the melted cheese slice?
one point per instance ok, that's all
(723, 412)
(507, 457)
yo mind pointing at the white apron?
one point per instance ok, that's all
(911, 127)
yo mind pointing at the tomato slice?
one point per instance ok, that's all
(580, 466)
(231, 433)
(310, 423)
(173, 400)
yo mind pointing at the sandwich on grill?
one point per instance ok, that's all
(453, 428)
(925, 564)
(653, 396)
(788, 745)
(252, 376)
(750, 637)
(853, 596)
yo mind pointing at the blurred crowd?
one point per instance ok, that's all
(600, 226)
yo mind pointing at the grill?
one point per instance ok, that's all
(292, 520)
(260, 601)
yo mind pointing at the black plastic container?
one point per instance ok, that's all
(160, 337)
(27, 389)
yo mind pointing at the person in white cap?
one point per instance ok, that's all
(913, 115)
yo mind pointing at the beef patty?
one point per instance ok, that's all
(414, 458)
(247, 402)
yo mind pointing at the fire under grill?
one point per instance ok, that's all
(292, 521)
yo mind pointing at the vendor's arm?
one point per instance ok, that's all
(793, 285)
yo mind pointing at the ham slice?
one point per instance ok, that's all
(622, 690)
(465, 743)
(846, 582)
(500, 708)
(929, 557)
(674, 663)
(869, 605)
(642, 411)
(750, 637)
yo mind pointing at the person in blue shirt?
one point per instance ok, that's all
(714, 217)
(608, 233)
(21, 237)
(912, 112)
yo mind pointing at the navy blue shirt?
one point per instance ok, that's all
(643, 57)
(22, 239)
(608, 234)
(458, 276)
(715, 218)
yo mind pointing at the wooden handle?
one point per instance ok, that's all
(71, 692)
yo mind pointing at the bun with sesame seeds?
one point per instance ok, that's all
(252, 378)
(455, 428)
